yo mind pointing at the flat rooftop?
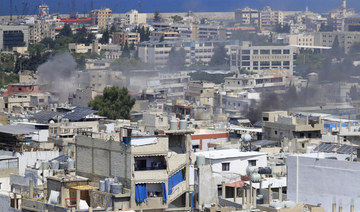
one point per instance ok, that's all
(228, 153)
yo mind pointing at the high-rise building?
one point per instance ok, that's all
(248, 17)
(13, 36)
(270, 18)
(101, 18)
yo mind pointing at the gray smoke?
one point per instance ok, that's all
(58, 75)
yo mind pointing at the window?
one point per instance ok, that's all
(252, 162)
(276, 51)
(225, 166)
(256, 52)
(245, 52)
(264, 51)
(286, 51)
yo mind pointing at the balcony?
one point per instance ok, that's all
(177, 191)
(150, 175)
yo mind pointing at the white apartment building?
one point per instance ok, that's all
(133, 17)
(248, 17)
(255, 58)
(41, 29)
(269, 18)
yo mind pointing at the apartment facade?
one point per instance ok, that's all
(133, 17)
(155, 169)
(101, 18)
(270, 18)
(346, 39)
(13, 36)
(121, 38)
(255, 58)
(248, 17)
(41, 29)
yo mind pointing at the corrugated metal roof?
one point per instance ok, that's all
(18, 129)
(45, 116)
(79, 113)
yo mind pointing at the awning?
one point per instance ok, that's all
(150, 155)
(84, 187)
(238, 184)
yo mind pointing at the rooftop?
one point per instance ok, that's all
(227, 153)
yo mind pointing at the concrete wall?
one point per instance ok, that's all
(207, 187)
(315, 180)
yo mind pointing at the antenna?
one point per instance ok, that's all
(11, 12)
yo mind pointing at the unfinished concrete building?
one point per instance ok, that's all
(155, 169)
(294, 131)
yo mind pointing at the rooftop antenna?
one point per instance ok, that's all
(11, 12)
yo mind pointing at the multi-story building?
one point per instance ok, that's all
(254, 58)
(13, 36)
(155, 53)
(202, 92)
(157, 36)
(155, 169)
(346, 39)
(121, 38)
(248, 17)
(270, 18)
(133, 17)
(209, 32)
(41, 29)
(101, 18)
(352, 23)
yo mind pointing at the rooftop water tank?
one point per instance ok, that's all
(289, 204)
(183, 124)
(54, 164)
(63, 165)
(200, 160)
(276, 204)
(116, 188)
(255, 178)
(70, 163)
(251, 169)
(174, 124)
(102, 185)
(108, 182)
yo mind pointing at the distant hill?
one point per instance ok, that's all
(120, 6)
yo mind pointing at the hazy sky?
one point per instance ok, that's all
(120, 6)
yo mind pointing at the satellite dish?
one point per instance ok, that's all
(246, 137)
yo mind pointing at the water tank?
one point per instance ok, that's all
(200, 160)
(255, 177)
(289, 204)
(63, 165)
(54, 164)
(260, 200)
(310, 149)
(44, 165)
(116, 188)
(174, 124)
(108, 182)
(183, 124)
(246, 137)
(70, 163)
(102, 185)
(250, 170)
(276, 204)
(266, 170)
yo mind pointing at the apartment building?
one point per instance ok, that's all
(157, 36)
(202, 92)
(156, 170)
(346, 39)
(254, 58)
(155, 53)
(248, 17)
(209, 32)
(13, 36)
(121, 38)
(269, 18)
(133, 17)
(101, 18)
(41, 29)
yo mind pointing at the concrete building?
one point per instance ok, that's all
(294, 131)
(121, 38)
(82, 97)
(248, 17)
(133, 17)
(101, 18)
(346, 39)
(13, 36)
(314, 179)
(41, 29)
(264, 80)
(201, 92)
(352, 23)
(155, 53)
(254, 58)
(157, 36)
(270, 18)
(155, 169)
(209, 32)
(154, 121)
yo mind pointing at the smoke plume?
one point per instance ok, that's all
(58, 75)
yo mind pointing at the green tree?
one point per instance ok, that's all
(66, 31)
(162, 38)
(105, 37)
(157, 16)
(81, 36)
(126, 50)
(115, 103)
(219, 57)
(176, 59)
(336, 50)
(177, 18)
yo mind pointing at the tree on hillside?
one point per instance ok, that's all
(177, 18)
(115, 103)
(126, 50)
(176, 59)
(336, 50)
(219, 57)
(157, 16)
